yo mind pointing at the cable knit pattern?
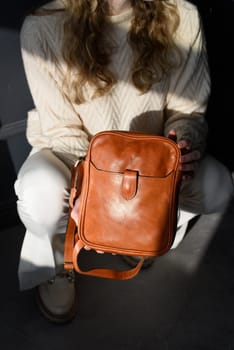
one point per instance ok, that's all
(178, 102)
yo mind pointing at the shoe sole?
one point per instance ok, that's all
(66, 318)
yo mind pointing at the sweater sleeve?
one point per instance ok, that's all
(54, 123)
(189, 87)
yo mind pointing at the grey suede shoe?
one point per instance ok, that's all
(133, 260)
(57, 299)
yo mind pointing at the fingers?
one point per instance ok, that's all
(192, 156)
(74, 215)
(189, 166)
(184, 144)
(187, 175)
(86, 247)
(189, 163)
(172, 135)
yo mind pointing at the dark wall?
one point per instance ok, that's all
(15, 99)
(13, 12)
(218, 19)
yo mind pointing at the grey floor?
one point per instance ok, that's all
(185, 301)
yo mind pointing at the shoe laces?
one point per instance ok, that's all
(70, 275)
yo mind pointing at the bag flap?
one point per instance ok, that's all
(149, 155)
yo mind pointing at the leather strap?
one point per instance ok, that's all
(69, 244)
(76, 181)
(102, 272)
(129, 184)
(71, 253)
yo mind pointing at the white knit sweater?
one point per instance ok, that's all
(179, 102)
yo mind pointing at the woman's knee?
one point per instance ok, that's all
(211, 190)
(218, 186)
(42, 188)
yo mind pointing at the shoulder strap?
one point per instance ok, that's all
(76, 182)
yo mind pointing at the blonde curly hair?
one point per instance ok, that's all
(87, 50)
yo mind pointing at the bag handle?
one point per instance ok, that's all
(71, 253)
(103, 272)
(76, 182)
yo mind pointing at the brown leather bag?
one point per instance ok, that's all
(129, 185)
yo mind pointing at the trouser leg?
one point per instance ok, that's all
(210, 191)
(42, 188)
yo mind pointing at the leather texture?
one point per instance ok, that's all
(128, 201)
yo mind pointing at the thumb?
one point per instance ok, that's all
(172, 135)
(75, 210)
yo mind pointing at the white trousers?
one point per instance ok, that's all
(42, 188)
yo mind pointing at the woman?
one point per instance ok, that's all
(95, 65)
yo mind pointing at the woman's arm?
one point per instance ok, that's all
(189, 87)
(58, 124)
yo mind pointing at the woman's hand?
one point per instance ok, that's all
(189, 158)
(74, 215)
(75, 210)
